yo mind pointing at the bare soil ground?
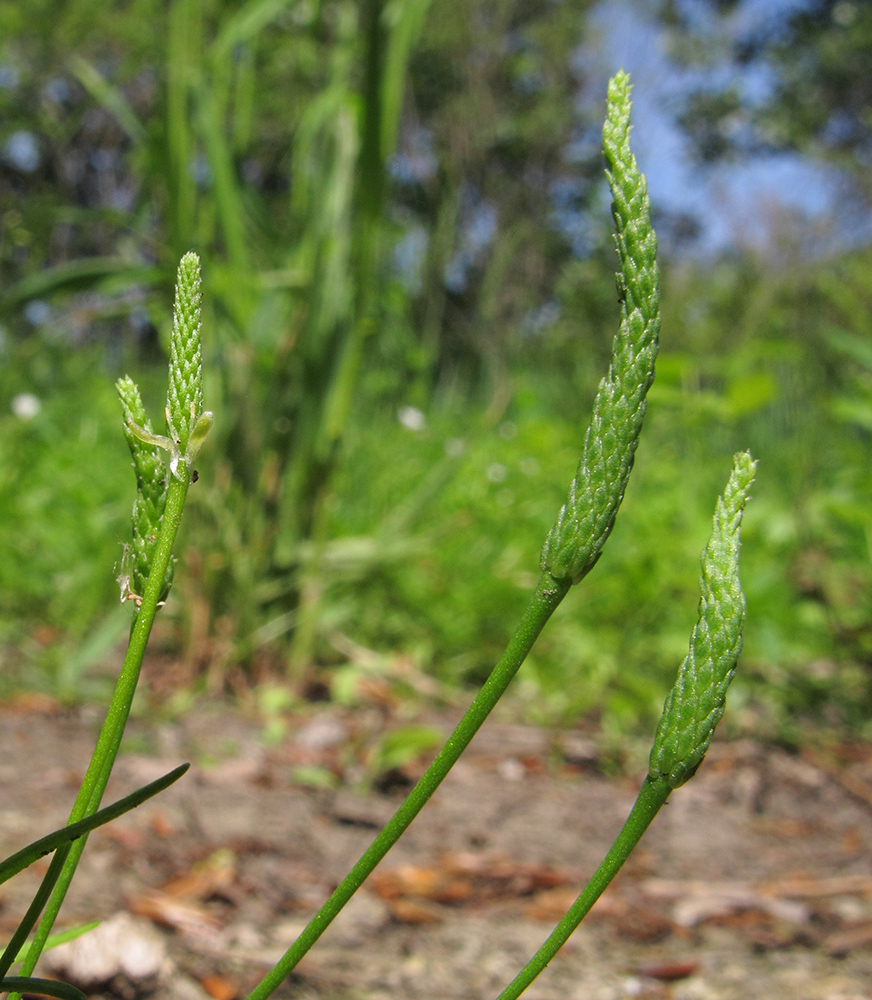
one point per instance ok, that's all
(754, 881)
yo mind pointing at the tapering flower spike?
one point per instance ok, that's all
(187, 421)
(188, 425)
(586, 519)
(696, 703)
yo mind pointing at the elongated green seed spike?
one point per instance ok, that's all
(151, 494)
(585, 521)
(185, 388)
(696, 703)
(147, 460)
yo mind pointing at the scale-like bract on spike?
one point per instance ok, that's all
(586, 519)
(696, 703)
(185, 388)
(151, 492)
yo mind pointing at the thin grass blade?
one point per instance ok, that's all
(45, 845)
(41, 987)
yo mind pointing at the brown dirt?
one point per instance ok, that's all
(755, 880)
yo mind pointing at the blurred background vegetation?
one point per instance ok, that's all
(410, 300)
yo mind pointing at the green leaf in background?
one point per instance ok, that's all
(402, 746)
(61, 937)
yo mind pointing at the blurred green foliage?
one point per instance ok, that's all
(403, 345)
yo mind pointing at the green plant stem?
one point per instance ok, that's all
(17, 862)
(43, 894)
(97, 776)
(548, 594)
(653, 793)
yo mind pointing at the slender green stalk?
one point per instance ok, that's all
(586, 519)
(62, 937)
(548, 594)
(692, 710)
(60, 838)
(28, 921)
(97, 776)
(651, 797)
(188, 425)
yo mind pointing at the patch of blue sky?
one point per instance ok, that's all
(754, 201)
(415, 162)
(480, 223)
(747, 19)
(409, 254)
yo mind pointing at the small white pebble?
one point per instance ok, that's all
(511, 769)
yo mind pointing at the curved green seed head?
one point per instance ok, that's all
(149, 465)
(586, 519)
(696, 702)
(147, 461)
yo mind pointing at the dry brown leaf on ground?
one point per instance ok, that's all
(840, 943)
(694, 902)
(550, 905)
(813, 887)
(850, 781)
(409, 910)
(220, 987)
(184, 915)
(467, 877)
(669, 972)
(211, 877)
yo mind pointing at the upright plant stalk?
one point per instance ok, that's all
(187, 425)
(549, 593)
(577, 538)
(60, 838)
(692, 710)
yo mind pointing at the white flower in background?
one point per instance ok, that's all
(26, 406)
(411, 418)
(497, 472)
